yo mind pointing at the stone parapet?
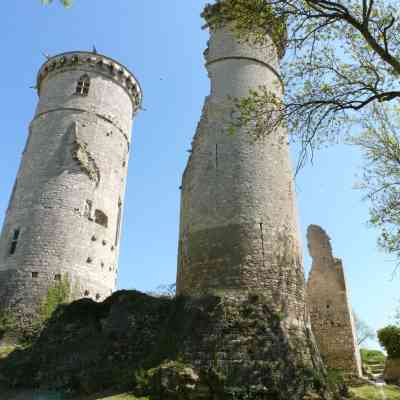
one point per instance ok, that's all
(81, 60)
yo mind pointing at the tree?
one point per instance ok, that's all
(341, 76)
(380, 143)
(343, 57)
(389, 338)
(363, 330)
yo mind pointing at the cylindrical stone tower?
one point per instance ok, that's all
(64, 215)
(239, 228)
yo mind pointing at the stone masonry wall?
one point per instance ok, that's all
(329, 304)
(239, 235)
(238, 216)
(240, 343)
(66, 207)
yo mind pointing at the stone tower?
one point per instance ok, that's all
(65, 211)
(238, 228)
(329, 304)
(239, 237)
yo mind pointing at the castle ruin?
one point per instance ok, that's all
(64, 215)
(329, 303)
(239, 235)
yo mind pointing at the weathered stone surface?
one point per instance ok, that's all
(233, 347)
(238, 229)
(71, 183)
(392, 371)
(329, 304)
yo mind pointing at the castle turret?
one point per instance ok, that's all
(239, 229)
(65, 211)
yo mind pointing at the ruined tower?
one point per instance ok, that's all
(238, 228)
(64, 215)
(329, 304)
(239, 237)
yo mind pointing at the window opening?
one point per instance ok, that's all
(118, 223)
(83, 86)
(101, 218)
(57, 277)
(14, 241)
(35, 274)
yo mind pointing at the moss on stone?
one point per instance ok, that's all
(236, 347)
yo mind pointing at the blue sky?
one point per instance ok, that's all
(162, 43)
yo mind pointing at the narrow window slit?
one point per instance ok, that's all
(14, 241)
(118, 223)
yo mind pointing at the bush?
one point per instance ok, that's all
(389, 338)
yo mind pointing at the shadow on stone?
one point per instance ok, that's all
(224, 347)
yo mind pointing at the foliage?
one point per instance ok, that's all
(342, 58)
(341, 77)
(389, 338)
(65, 3)
(60, 293)
(372, 356)
(8, 324)
(380, 143)
(364, 331)
(246, 15)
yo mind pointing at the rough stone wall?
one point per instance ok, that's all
(329, 304)
(68, 197)
(238, 227)
(89, 346)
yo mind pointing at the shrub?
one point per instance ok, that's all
(389, 338)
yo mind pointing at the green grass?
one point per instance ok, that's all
(370, 392)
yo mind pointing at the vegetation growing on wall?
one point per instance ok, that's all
(61, 292)
(251, 20)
